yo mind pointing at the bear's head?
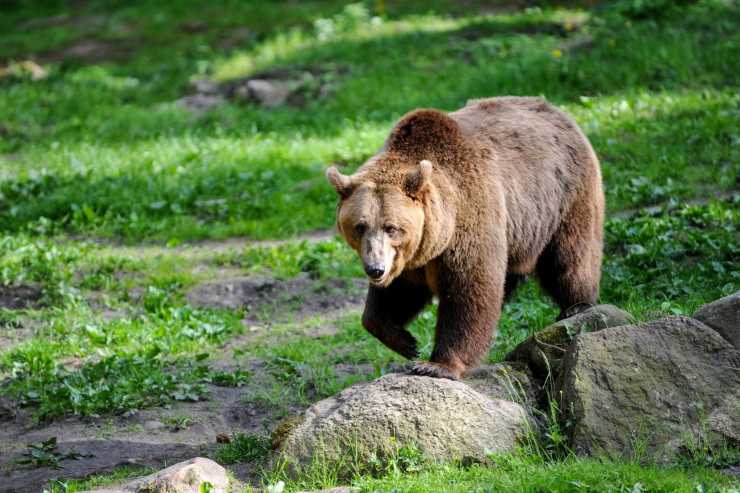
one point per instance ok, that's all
(381, 213)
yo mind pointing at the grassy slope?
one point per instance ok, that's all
(100, 150)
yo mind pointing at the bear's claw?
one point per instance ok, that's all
(434, 370)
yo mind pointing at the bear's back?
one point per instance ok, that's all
(515, 114)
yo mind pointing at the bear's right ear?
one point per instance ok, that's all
(418, 180)
(341, 183)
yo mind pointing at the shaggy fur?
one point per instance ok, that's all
(463, 206)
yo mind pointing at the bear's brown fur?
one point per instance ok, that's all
(463, 206)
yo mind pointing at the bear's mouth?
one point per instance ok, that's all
(382, 282)
(378, 283)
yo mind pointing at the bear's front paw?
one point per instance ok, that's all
(405, 345)
(435, 370)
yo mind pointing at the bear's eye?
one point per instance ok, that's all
(391, 230)
(360, 228)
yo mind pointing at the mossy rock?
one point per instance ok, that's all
(668, 385)
(544, 350)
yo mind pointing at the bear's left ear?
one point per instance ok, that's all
(341, 183)
(417, 181)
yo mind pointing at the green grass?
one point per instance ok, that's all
(98, 155)
(243, 448)
(98, 480)
(514, 474)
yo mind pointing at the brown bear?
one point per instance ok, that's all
(463, 206)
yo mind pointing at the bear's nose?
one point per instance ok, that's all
(374, 271)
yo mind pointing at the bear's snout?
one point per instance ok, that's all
(374, 271)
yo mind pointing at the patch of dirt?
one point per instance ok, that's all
(89, 50)
(149, 437)
(21, 296)
(237, 37)
(205, 250)
(78, 21)
(480, 30)
(267, 299)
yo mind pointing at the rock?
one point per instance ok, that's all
(154, 425)
(507, 381)
(446, 419)
(723, 316)
(7, 413)
(660, 384)
(200, 103)
(544, 350)
(205, 86)
(185, 477)
(270, 93)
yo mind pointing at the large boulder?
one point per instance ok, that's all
(190, 476)
(723, 316)
(446, 419)
(661, 385)
(544, 350)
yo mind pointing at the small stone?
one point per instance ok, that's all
(200, 103)
(205, 86)
(154, 425)
(269, 93)
(184, 477)
(6, 413)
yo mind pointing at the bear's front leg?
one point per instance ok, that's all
(470, 301)
(389, 310)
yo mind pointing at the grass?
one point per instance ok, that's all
(106, 183)
(514, 474)
(243, 448)
(98, 480)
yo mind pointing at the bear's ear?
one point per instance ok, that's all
(417, 181)
(341, 183)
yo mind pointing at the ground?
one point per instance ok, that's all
(119, 200)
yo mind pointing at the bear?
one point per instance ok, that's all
(464, 206)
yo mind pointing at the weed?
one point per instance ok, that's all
(236, 378)
(177, 423)
(113, 384)
(45, 454)
(243, 448)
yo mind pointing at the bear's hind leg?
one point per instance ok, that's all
(512, 282)
(389, 310)
(569, 268)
